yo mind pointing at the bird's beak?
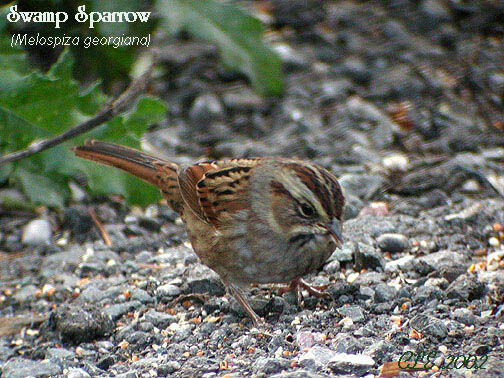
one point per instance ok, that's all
(335, 229)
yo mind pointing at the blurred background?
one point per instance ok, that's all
(362, 87)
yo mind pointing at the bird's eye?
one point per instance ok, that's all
(306, 210)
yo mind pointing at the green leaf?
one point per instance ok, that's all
(237, 34)
(48, 189)
(42, 105)
(47, 100)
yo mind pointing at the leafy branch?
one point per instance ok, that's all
(106, 113)
(43, 114)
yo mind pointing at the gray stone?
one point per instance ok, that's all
(243, 342)
(242, 98)
(366, 256)
(77, 373)
(306, 339)
(159, 319)
(403, 264)
(139, 340)
(145, 326)
(336, 90)
(429, 325)
(496, 84)
(435, 9)
(346, 343)
(168, 290)
(129, 374)
(379, 349)
(385, 293)
(342, 288)
(345, 253)
(393, 242)
(332, 267)
(146, 257)
(270, 365)
(465, 316)
(37, 232)
(205, 108)
(106, 362)
(26, 294)
(427, 293)
(78, 324)
(214, 287)
(168, 368)
(316, 356)
(6, 352)
(356, 69)
(117, 310)
(301, 373)
(366, 228)
(353, 312)
(361, 185)
(22, 367)
(438, 260)
(466, 288)
(150, 224)
(140, 295)
(89, 268)
(91, 294)
(344, 363)
(353, 206)
(289, 56)
(366, 292)
(181, 334)
(59, 354)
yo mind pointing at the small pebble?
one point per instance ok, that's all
(168, 290)
(393, 242)
(346, 322)
(494, 242)
(77, 373)
(352, 277)
(37, 232)
(396, 162)
(471, 186)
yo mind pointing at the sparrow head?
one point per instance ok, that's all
(307, 204)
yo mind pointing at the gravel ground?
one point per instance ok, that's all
(404, 102)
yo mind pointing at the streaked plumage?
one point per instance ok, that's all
(261, 220)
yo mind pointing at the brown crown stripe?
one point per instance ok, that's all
(277, 187)
(335, 191)
(313, 182)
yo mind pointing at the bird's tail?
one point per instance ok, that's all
(159, 172)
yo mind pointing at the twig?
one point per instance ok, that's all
(14, 255)
(99, 225)
(10, 325)
(106, 113)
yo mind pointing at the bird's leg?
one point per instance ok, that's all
(237, 293)
(317, 291)
(293, 285)
(299, 284)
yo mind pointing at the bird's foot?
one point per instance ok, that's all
(298, 284)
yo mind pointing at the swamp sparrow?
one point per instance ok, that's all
(258, 220)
